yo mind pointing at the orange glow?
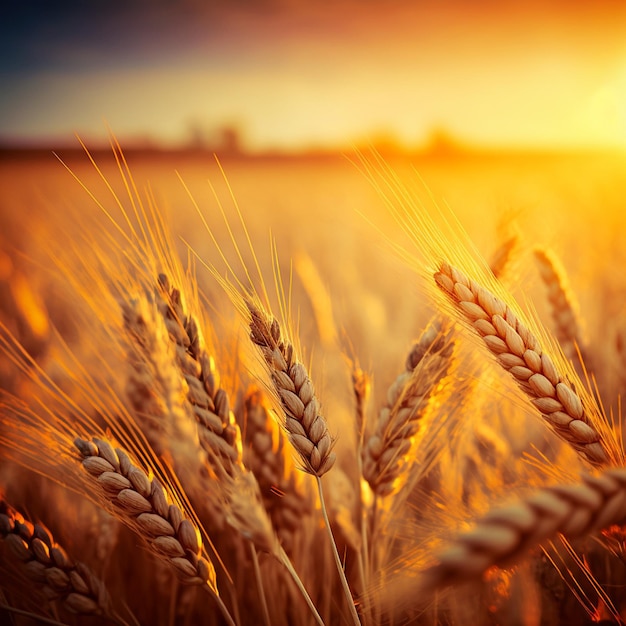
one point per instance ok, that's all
(303, 76)
(30, 306)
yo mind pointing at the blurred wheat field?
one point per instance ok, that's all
(145, 433)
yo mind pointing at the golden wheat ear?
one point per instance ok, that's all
(503, 255)
(219, 432)
(388, 451)
(143, 504)
(565, 310)
(49, 567)
(504, 535)
(307, 429)
(556, 395)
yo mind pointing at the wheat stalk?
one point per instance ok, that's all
(47, 565)
(387, 452)
(553, 393)
(564, 306)
(247, 515)
(504, 535)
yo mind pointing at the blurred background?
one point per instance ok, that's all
(259, 76)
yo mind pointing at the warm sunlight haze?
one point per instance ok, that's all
(300, 75)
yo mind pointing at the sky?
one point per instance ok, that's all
(300, 74)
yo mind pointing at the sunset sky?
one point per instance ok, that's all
(296, 74)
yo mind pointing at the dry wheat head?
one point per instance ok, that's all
(48, 566)
(306, 428)
(554, 394)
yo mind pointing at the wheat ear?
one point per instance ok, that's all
(143, 504)
(564, 306)
(361, 388)
(307, 429)
(502, 256)
(388, 451)
(47, 564)
(505, 534)
(155, 389)
(519, 352)
(219, 433)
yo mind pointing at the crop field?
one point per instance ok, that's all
(339, 389)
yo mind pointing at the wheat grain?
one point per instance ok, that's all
(307, 429)
(519, 352)
(505, 535)
(48, 566)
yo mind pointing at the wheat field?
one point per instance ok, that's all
(346, 390)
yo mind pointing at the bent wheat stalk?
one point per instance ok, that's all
(519, 352)
(47, 565)
(504, 535)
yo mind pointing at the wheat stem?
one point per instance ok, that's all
(284, 559)
(259, 582)
(340, 570)
(222, 607)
